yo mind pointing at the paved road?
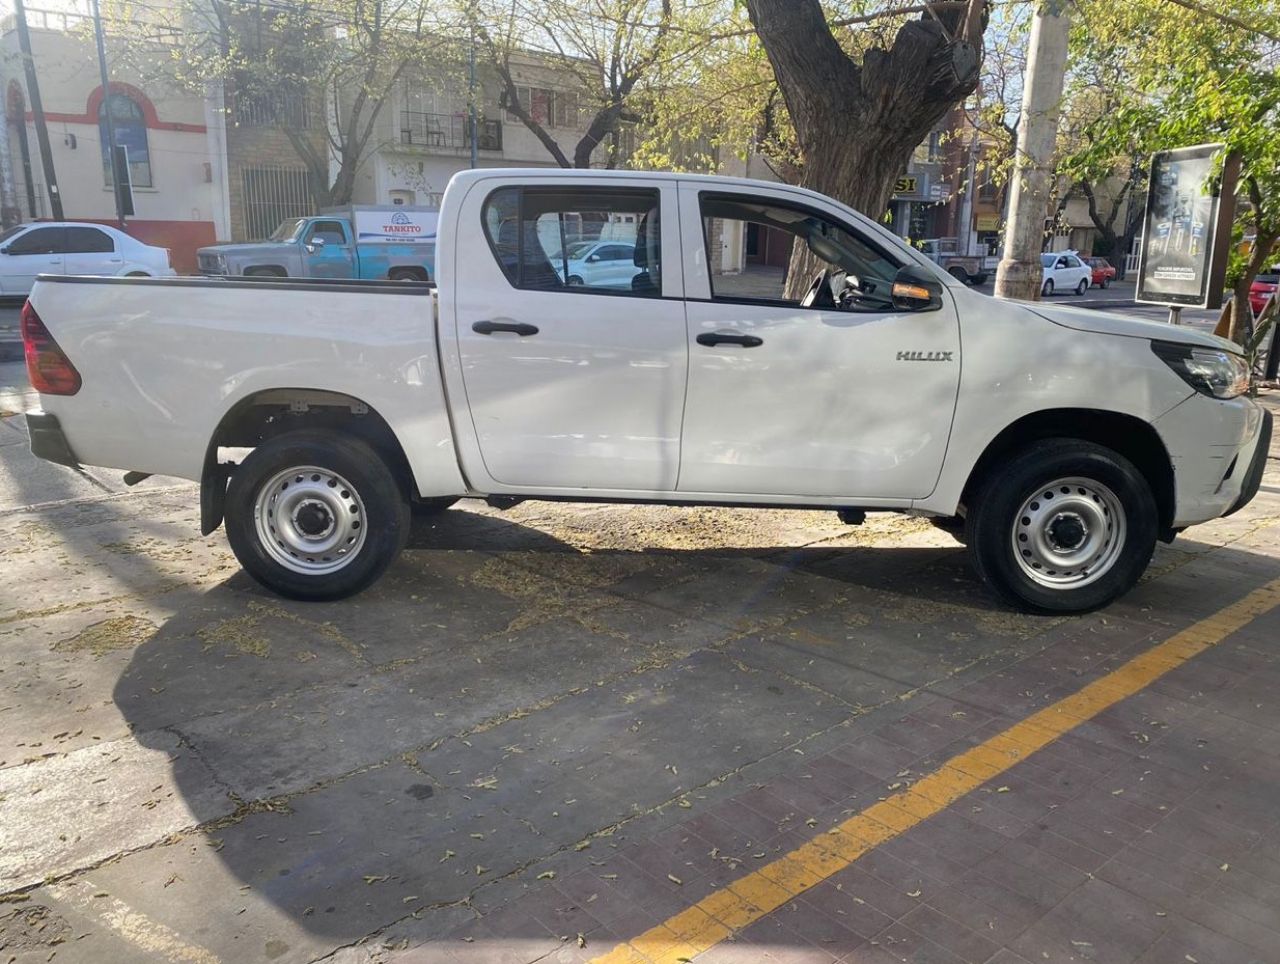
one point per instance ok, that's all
(552, 731)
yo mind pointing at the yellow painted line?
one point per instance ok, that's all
(743, 902)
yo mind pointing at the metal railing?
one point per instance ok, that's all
(448, 130)
(272, 194)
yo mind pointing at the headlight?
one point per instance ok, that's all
(1210, 371)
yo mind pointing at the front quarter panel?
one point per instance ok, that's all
(1017, 363)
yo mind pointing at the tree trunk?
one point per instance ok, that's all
(1241, 313)
(857, 123)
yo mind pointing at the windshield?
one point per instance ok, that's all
(11, 232)
(1048, 260)
(288, 230)
(579, 250)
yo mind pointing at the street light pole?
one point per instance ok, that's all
(471, 99)
(107, 120)
(1020, 273)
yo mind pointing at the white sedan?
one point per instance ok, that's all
(1064, 271)
(600, 264)
(70, 247)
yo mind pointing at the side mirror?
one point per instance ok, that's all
(593, 258)
(4, 250)
(915, 289)
(315, 244)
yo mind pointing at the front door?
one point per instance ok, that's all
(571, 386)
(328, 250)
(809, 386)
(35, 252)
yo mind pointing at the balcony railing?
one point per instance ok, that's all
(448, 130)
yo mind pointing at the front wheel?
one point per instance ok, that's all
(315, 515)
(1065, 526)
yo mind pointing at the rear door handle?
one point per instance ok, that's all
(516, 327)
(713, 338)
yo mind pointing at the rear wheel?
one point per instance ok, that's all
(315, 515)
(959, 274)
(1063, 526)
(265, 273)
(407, 274)
(1047, 288)
(1105, 283)
(1083, 286)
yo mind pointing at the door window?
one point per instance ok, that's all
(766, 252)
(535, 232)
(330, 232)
(40, 241)
(89, 240)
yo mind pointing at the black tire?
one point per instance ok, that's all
(959, 274)
(265, 273)
(365, 481)
(407, 274)
(995, 518)
(1106, 283)
(575, 281)
(1047, 288)
(422, 508)
(1082, 287)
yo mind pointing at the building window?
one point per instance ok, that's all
(551, 108)
(130, 128)
(272, 109)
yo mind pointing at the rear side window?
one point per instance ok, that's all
(1268, 278)
(40, 241)
(535, 233)
(90, 240)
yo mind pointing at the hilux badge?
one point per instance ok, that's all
(924, 356)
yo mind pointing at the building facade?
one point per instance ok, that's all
(178, 188)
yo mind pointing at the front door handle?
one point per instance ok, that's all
(713, 338)
(517, 327)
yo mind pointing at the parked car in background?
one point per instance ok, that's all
(1104, 272)
(72, 247)
(1264, 288)
(596, 263)
(1064, 271)
(393, 242)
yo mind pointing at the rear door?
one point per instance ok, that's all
(327, 249)
(570, 387)
(38, 251)
(791, 391)
(91, 251)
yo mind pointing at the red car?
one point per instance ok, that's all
(1263, 287)
(1104, 271)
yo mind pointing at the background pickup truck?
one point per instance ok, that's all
(973, 268)
(393, 242)
(1059, 444)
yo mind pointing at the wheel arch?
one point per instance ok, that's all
(262, 415)
(1135, 439)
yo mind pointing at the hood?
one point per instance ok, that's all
(242, 247)
(1110, 323)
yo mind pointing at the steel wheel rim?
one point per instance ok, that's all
(1069, 533)
(310, 520)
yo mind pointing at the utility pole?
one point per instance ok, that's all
(1020, 273)
(37, 111)
(10, 213)
(471, 99)
(108, 122)
(964, 230)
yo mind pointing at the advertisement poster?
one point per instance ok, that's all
(1179, 230)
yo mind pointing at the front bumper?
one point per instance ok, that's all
(1253, 475)
(48, 441)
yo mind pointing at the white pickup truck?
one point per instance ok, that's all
(1059, 444)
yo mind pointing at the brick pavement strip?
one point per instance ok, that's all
(719, 915)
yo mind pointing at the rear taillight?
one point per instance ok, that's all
(50, 371)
